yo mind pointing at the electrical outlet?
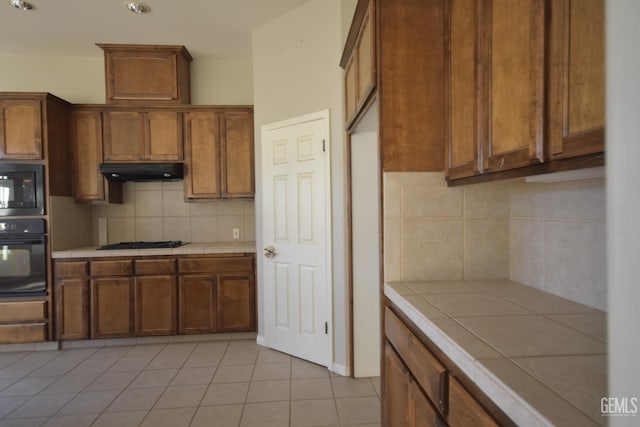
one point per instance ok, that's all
(236, 233)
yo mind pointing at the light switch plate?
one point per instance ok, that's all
(236, 233)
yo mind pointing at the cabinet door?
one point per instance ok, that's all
(421, 411)
(410, 90)
(464, 410)
(156, 305)
(147, 74)
(112, 303)
(351, 88)
(20, 129)
(576, 78)
(72, 299)
(123, 136)
(237, 155)
(202, 178)
(461, 94)
(235, 303)
(366, 56)
(88, 183)
(197, 304)
(163, 136)
(513, 83)
(396, 389)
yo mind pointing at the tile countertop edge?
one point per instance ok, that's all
(520, 411)
(187, 249)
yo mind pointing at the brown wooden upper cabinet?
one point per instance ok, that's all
(142, 135)
(393, 58)
(497, 83)
(20, 128)
(88, 184)
(576, 78)
(219, 155)
(147, 73)
(359, 56)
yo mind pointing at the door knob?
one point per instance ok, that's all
(269, 252)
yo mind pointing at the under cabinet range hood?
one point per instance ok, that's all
(121, 172)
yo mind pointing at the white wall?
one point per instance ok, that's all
(623, 200)
(222, 82)
(296, 71)
(77, 79)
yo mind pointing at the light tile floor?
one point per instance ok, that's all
(218, 383)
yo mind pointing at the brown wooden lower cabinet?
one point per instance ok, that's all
(420, 390)
(72, 298)
(156, 305)
(405, 403)
(464, 410)
(112, 307)
(235, 303)
(142, 296)
(217, 303)
(197, 305)
(23, 321)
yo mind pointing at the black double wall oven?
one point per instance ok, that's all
(23, 259)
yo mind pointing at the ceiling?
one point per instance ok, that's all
(207, 28)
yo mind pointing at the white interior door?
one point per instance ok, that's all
(296, 227)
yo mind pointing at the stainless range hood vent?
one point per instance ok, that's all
(140, 172)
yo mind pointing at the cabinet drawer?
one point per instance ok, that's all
(71, 268)
(427, 370)
(23, 311)
(112, 268)
(145, 267)
(216, 265)
(27, 332)
(464, 410)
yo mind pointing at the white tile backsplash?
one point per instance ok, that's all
(526, 241)
(432, 249)
(551, 236)
(575, 261)
(435, 232)
(157, 211)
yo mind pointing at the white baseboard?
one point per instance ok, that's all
(260, 340)
(341, 370)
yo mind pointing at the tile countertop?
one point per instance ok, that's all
(541, 358)
(188, 249)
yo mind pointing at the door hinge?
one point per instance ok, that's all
(323, 147)
(326, 327)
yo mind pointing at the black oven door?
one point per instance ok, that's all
(23, 270)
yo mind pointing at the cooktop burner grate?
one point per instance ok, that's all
(143, 245)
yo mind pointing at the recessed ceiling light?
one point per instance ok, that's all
(138, 7)
(21, 4)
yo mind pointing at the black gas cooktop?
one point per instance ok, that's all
(143, 245)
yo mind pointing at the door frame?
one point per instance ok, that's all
(367, 120)
(324, 116)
